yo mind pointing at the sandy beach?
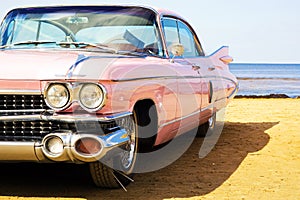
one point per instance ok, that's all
(256, 157)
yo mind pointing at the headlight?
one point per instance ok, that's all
(91, 96)
(57, 96)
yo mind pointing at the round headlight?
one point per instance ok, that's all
(57, 96)
(91, 96)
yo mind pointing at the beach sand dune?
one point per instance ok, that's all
(256, 157)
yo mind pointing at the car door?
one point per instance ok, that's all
(210, 69)
(194, 55)
(189, 87)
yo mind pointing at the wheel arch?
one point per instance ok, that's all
(147, 123)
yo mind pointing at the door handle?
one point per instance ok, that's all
(211, 68)
(196, 67)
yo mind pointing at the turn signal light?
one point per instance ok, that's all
(88, 146)
(226, 59)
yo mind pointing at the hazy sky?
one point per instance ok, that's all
(265, 31)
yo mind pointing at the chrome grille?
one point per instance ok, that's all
(14, 105)
(22, 102)
(30, 131)
(37, 130)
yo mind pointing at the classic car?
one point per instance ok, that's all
(104, 85)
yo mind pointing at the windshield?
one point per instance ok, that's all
(120, 28)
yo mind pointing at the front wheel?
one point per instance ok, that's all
(119, 174)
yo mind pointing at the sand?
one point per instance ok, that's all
(256, 157)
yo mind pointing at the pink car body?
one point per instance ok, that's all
(184, 92)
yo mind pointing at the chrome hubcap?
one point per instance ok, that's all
(211, 121)
(127, 157)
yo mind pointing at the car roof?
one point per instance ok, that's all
(158, 11)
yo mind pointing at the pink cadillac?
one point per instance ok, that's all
(103, 86)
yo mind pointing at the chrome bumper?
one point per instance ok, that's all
(38, 152)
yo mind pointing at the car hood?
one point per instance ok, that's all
(55, 64)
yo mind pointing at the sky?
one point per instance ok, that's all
(256, 31)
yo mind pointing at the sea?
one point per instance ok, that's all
(266, 79)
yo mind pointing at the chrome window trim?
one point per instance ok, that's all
(195, 36)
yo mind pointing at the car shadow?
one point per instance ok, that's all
(187, 177)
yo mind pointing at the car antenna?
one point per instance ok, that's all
(130, 179)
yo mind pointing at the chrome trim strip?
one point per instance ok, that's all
(235, 91)
(174, 77)
(21, 92)
(20, 118)
(211, 106)
(65, 118)
(185, 117)
(26, 110)
(155, 78)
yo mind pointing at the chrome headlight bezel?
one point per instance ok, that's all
(74, 91)
(68, 100)
(99, 103)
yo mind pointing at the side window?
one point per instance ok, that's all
(177, 32)
(171, 33)
(187, 40)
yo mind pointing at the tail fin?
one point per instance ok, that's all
(221, 55)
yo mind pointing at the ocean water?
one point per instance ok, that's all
(265, 79)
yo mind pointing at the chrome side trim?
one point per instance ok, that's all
(175, 77)
(65, 118)
(187, 116)
(156, 78)
(21, 92)
(235, 91)
(211, 106)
